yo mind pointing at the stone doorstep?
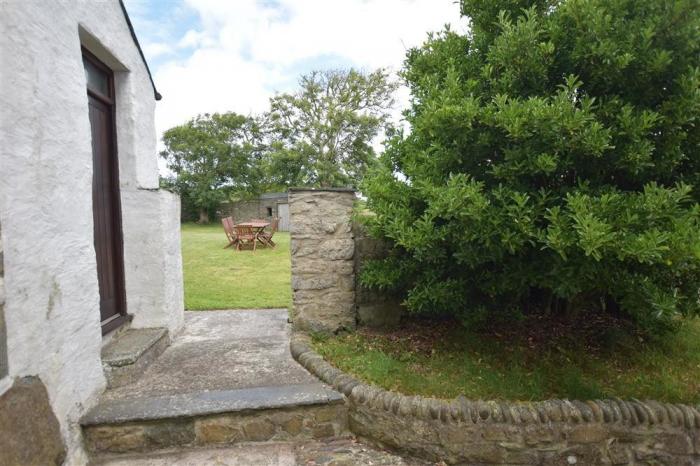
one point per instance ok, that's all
(129, 354)
(292, 412)
(128, 347)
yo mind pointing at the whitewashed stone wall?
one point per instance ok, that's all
(152, 259)
(322, 248)
(3, 334)
(51, 301)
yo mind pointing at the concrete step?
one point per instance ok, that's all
(259, 414)
(129, 353)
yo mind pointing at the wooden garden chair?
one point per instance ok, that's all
(227, 223)
(245, 235)
(266, 236)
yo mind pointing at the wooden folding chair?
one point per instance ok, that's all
(245, 235)
(266, 236)
(227, 223)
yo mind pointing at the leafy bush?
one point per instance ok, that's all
(552, 163)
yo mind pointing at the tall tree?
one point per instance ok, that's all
(212, 156)
(322, 134)
(553, 163)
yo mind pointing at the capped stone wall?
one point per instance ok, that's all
(552, 432)
(322, 249)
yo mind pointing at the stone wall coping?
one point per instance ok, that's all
(321, 190)
(608, 411)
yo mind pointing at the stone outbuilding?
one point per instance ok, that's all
(90, 246)
(266, 206)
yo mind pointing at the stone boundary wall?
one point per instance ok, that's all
(322, 250)
(552, 432)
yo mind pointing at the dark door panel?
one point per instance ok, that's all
(105, 197)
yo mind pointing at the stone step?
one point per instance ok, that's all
(273, 413)
(129, 353)
(334, 452)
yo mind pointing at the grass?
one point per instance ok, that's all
(445, 361)
(217, 278)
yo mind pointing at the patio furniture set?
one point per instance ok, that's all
(250, 233)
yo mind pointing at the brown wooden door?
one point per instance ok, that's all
(105, 196)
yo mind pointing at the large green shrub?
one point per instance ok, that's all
(552, 162)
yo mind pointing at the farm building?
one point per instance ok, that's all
(265, 206)
(90, 246)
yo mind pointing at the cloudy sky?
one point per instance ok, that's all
(232, 55)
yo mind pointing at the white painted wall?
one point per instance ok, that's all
(152, 260)
(52, 302)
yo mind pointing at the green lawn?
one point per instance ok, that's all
(217, 278)
(448, 362)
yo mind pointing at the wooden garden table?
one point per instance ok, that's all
(257, 227)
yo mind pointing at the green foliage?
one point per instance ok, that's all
(211, 157)
(321, 135)
(552, 162)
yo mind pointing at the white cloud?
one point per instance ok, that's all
(194, 38)
(157, 49)
(211, 80)
(372, 33)
(243, 51)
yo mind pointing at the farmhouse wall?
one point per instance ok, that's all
(152, 258)
(242, 211)
(51, 306)
(3, 333)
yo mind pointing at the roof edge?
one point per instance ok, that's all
(156, 94)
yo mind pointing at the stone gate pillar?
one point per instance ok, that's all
(322, 249)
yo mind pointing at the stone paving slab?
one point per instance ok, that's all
(344, 452)
(209, 402)
(221, 350)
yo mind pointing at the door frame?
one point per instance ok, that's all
(109, 100)
(284, 225)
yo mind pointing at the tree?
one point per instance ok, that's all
(552, 164)
(322, 134)
(212, 156)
